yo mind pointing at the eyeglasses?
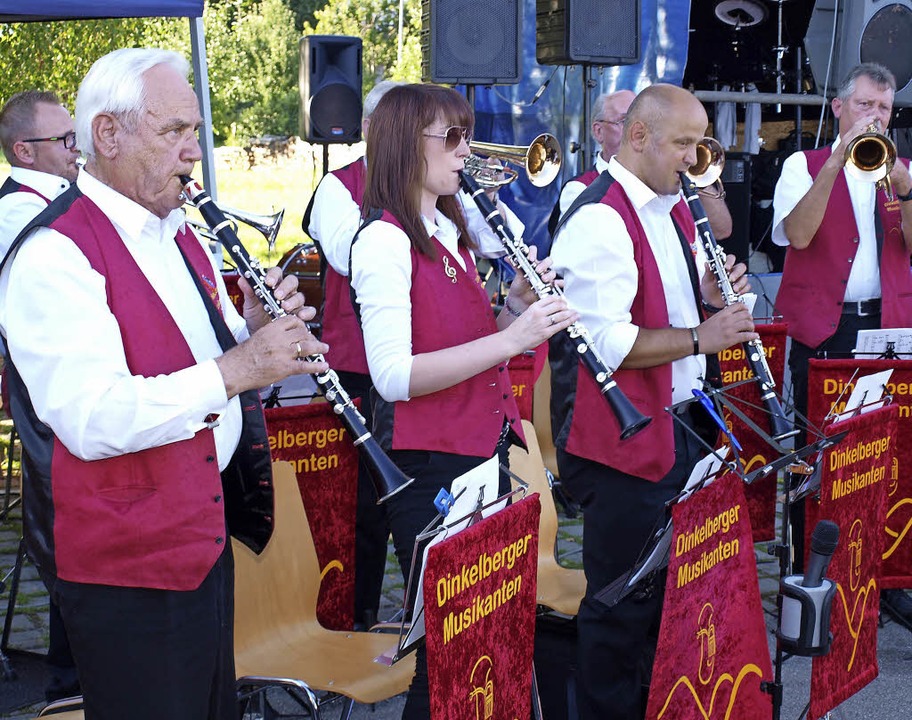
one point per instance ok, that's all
(69, 140)
(619, 121)
(452, 136)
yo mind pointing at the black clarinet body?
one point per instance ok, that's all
(386, 477)
(780, 426)
(629, 418)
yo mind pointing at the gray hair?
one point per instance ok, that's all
(878, 74)
(375, 94)
(17, 118)
(115, 85)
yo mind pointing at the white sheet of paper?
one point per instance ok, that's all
(865, 395)
(874, 342)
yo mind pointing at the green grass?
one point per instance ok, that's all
(268, 186)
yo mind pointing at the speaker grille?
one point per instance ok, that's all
(593, 32)
(885, 40)
(470, 42)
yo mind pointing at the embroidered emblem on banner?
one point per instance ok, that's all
(449, 269)
(482, 692)
(706, 634)
(856, 616)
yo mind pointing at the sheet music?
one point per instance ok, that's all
(475, 492)
(874, 342)
(867, 395)
(702, 475)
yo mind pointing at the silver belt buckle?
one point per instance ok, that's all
(862, 313)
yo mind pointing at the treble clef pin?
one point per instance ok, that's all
(449, 269)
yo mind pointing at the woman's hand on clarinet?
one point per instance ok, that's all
(520, 290)
(540, 321)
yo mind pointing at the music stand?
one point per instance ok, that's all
(411, 627)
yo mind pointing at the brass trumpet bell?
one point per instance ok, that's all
(541, 160)
(267, 225)
(870, 157)
(710, 161)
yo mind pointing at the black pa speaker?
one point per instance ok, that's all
(330, 86)
(866, 31)
(471, 42)
(736, 177)
(587, 32)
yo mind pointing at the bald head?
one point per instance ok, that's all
(664, 124)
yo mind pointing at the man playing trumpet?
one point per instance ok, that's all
(847, 264)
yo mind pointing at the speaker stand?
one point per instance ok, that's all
(325, 159)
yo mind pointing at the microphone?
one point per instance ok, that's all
(823, 544)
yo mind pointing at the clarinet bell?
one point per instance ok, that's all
(385, 476)
(629, 418)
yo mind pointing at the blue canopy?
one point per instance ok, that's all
(20, 11)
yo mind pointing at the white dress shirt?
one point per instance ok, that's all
(594, 254)
(794, 183)
(572, 189)
(382, 278)
(67, 346)
(336, 217)
(18, 209)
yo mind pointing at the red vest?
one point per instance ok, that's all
(584, 424)
(814, 279)
(341, 330)
(449, 310)
(154, 518)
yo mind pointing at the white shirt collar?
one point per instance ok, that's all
(638, 192)
(48, 185)
(129, 217)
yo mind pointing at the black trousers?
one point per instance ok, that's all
(409, 513)
(620, 512)
(150, 654)
(839, 345)
(371, 527)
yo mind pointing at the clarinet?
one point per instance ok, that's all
(386, 477)
(780, 427)
(629, 418)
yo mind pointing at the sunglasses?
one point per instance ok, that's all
(69, 140)
(613, 122)
(452, 136)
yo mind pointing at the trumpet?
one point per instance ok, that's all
(267, 225)
(386, 477)
(871, 157)
(541, 160)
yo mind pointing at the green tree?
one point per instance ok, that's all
(376, 22)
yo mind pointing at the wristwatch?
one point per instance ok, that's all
(905, 198)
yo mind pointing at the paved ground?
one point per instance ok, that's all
(886, 697)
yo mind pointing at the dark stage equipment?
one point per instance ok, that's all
(330, 88)
(587, 32)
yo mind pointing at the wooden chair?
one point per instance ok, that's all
(278, 641)
(541, 418)
(559, 589)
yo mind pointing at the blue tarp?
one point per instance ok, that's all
(20, 11)
(504, 114)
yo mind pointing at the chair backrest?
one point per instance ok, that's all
(541, 418)
(278, 588)
(529, 466)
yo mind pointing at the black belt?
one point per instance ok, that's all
(862, 308)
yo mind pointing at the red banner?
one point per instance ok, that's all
(761, 494)
(853, 493)
(234, 292)
(326, 462)
(524, 372)
(712, 652)
(827, 381)
(479, 591)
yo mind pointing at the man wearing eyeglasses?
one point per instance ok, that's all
(39, 142)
